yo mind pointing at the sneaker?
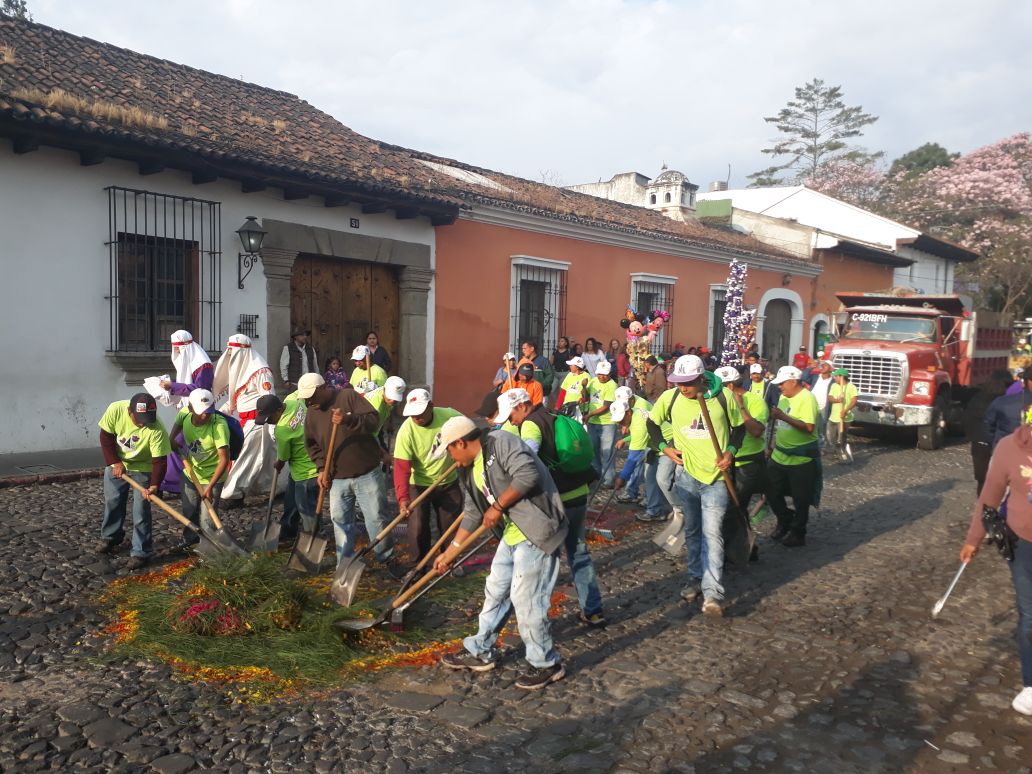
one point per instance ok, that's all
(466, 660)
(1023, 701)
(595, 620)
(794, 540)
(692, 591)
(105, 546)
(535, 678)
(649, 517)
(623, 497)
(712, 608)
(778, 533)
(136, 563)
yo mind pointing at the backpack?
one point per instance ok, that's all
(566, 449)
(236, 435)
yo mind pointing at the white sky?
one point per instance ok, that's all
(582, 89)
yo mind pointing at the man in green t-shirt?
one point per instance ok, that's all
(206, 446)
(842, 397)
(288, 421)
(751, 458)
(794, 467)
(135, 445)
(362, 380)
(642, 462)
(701, 489)
(573, 386)
(414, 471)
(536, 427)
(595, 402)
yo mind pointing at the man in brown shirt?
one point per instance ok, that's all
(655, 380)
(355, 474)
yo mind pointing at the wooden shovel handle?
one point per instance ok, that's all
(326, 468)
(448, 533)
(163, 505)
(419, 584)
(716, 448)
(422, 496)
(193, 479)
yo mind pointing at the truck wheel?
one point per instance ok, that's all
(932, 436)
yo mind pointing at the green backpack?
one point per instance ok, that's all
(573, 448)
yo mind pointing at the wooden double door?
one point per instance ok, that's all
(340, 301)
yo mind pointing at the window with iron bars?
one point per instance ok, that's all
(537, 303)
(164, 269)
(718, 305)
(649, 293)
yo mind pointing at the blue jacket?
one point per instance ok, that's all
(1005, 415)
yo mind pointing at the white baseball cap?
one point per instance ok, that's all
(756, 368)
(202, 401)
(603, 367)
(687, 368)
(307, 385)
(507, 357)
(624, 393)
(618, 410)
(576, 361)
(394, 388)
(728, 374)
(416, 403)
(507, 401)
(451, 431)
(361, 352)
(787, 372)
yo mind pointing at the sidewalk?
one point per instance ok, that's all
(50, 467)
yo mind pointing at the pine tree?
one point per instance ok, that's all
(17, 9)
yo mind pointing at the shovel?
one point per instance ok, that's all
(219, 536)
(265, 534)
(942, 602)
(206, 547)
(414, 591)
(671, 537)
(741, 557)
(309, 549)
(349, 571)
(846, 452)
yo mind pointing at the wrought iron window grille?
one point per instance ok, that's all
(538, 304)
(248, 325)
(648, 296)
(164, 269)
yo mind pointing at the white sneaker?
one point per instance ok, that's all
(1023, 701)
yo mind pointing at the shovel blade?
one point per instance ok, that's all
(671, 537)
(307, 555)
(360, 624)
(206, 549)
(264, 537)
(225, 542)
(849, 453)
(345, 581)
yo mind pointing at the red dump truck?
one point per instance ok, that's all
(915, 359)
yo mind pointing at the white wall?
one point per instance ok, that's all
(54, 376)
(929, 273)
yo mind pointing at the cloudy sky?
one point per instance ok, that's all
(577, 90)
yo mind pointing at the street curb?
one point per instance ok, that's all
(63, 477)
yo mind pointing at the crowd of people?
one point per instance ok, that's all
(703, 443)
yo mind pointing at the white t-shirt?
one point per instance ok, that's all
(820, 391)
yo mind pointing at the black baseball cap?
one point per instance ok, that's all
(526, 369)
(267, 405)
(143, 406)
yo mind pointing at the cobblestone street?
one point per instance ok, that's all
(827, 659)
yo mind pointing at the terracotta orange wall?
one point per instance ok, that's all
(473, 286)
(847, 274)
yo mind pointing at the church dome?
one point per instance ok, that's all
(669, 176)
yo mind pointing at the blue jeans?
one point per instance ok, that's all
(190, 502)
(305, 496)
(116, 498)
(704, 508)
(522, 578)
(1021, 572)
(655, 502)
(581, 567)
(288, 522)
(603, 438)
(667, 473)
(369, 492)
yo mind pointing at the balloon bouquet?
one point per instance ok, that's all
(641, 330)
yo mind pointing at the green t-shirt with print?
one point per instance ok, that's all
(600, 393)
(836, 391)
(290, 441)
(690, 435)
(758, 409)
(202, 443)
(573, 384)
(758, 389)
(639, 431)
(531, 434)
(414, 444)
(378, 400)
(511, 534)
(375, 374)
(801, 406)
(137, 446)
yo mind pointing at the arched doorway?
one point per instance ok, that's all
(777, 328)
